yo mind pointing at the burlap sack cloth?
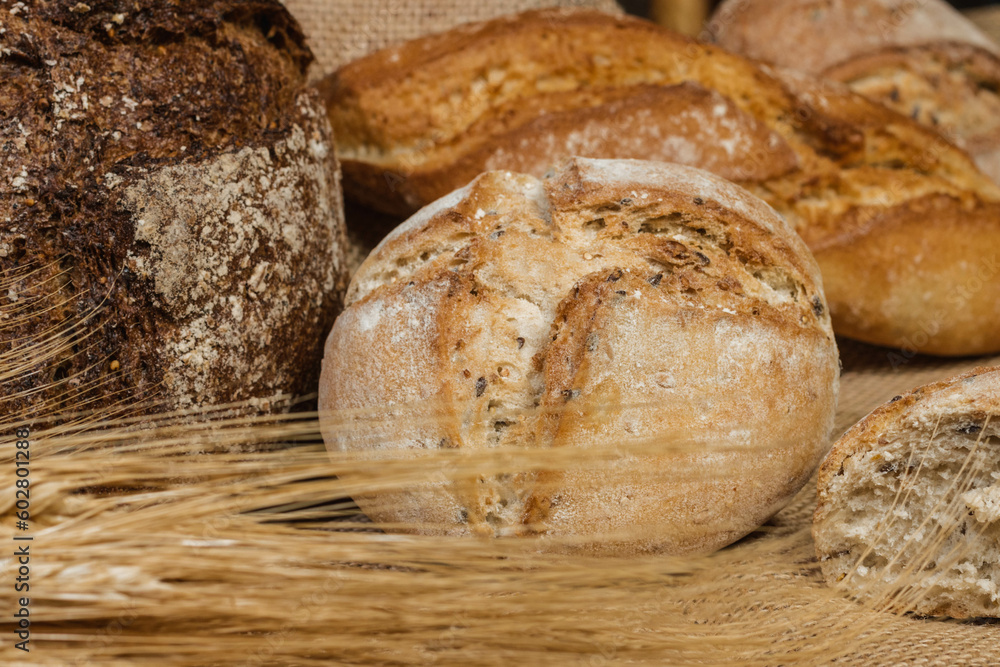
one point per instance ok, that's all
(341, 30)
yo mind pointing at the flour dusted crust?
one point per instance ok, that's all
(909, 501)
(238, 249)
(686, 123)
(669, 303)
(855, 179)
(171, 225)
(923, 59)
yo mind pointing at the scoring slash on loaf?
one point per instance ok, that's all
(171, 223)
(615, 302)
(909, 502)
(923, 59)
(904, 226)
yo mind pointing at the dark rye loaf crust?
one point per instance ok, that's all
(171, 225)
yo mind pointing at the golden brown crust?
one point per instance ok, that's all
(838, 166)
(465, 119)
(667, 300)
(952, 87)
(665, 123)
(396, 104)
(921, 277)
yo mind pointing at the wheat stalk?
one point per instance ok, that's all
(208, 537)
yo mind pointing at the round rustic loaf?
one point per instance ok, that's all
(909, 502)
(170, 212)
(615, 302)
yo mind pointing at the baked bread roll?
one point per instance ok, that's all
(615, 302)
(905, 228)
(340, 31)
(171, 221)
(909, 502)
(923, 59)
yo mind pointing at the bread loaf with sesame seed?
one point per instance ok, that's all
(171, 221)
(616, 304)
(908, 517)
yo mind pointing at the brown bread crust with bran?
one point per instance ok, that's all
(171, 222)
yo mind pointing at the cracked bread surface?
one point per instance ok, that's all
(616, 301)
(908, 517)
(417, 109)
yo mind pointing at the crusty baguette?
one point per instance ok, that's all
(909, 501)
(923, 59)
(854, 178)
(618, 301)
(685, 123)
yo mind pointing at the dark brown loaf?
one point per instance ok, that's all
(903, 224)
(616, 302)
(909, 501)
(170, 219)
(923, 59)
